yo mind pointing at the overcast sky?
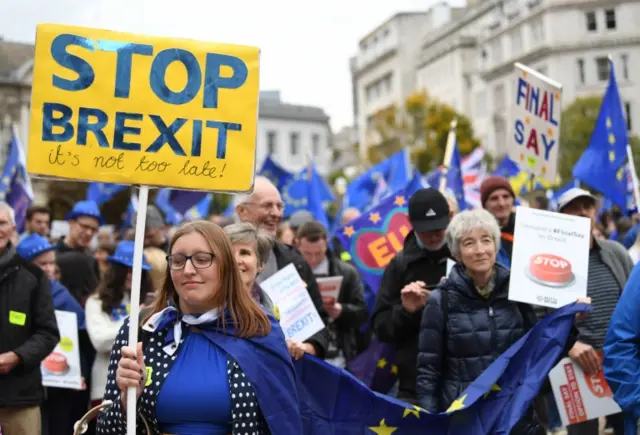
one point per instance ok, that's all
(305, 45)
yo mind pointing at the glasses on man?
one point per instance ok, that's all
(268, 206)
(199, 260)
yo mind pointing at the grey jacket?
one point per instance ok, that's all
(617, 259)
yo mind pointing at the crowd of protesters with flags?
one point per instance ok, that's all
(430, 334)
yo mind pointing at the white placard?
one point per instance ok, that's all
(580, 397)
(61, 368)
(298, 316)
(550, 263)
(330, 286)
(534, 140)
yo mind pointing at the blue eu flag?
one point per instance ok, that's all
(333, 402)
(103, 192)
(601, 166)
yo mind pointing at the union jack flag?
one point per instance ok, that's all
(473, 172)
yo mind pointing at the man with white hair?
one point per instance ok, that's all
(264, 208)
(28, 333)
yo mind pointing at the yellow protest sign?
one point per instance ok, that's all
(129, 109)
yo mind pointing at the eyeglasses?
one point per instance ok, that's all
(199, 260)
(266, 206)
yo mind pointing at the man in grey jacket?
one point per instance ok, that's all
(609, 269)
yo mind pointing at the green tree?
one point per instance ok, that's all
(576, 125)
(422, 124)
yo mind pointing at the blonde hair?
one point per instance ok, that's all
(248, 319)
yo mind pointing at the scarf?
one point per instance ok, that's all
(485, 290)
(170, 318)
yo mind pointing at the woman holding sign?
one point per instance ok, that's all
(210, 361)
(469, 321)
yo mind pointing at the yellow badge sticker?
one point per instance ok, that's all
(17, 318)
(149, 373)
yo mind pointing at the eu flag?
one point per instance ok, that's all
(103, 192)
(295, 193)
(455, 181)
(276, 173)
(333, 402)
(201, 209)
(396, 172)
(601, 166)
(15, 185)
(163, 201)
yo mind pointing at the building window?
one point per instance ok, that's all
(625, 66)
(294, 143)
(498, 97)
(610, 18)
(271, 142)
(592, 24)
(516, 42)
(537, 32)
(581, 78)
(496, 49)
(602, 66)
(315, 144)
(627, 110)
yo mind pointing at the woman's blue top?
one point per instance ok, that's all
(195, 397)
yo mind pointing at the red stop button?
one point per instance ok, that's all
(550, 269)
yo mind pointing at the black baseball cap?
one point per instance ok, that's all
(428, 210)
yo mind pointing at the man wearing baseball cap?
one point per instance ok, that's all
(407, 282)
(498, 198)
(609, 269)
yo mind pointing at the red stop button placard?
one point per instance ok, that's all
(551, 269)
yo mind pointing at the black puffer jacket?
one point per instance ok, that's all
(478, 330)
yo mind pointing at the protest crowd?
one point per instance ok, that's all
(425, 305)
(443, 334)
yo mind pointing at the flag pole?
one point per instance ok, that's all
(448, 154)
(634, 177)
(134, 313)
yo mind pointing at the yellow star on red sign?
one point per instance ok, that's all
(374, 217)
(349, 231)
(400, 200)
(383, 429)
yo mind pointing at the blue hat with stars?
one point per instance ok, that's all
(32, 246)
(85, 208)
(124, 255)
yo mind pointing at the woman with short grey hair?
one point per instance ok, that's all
(469, 320)
(251, 247)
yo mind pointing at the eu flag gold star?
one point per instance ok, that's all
(374, 217)
(457, 404)
(349, 231)
(383, 429)
(620, 174)
(394, 369)
(612, 156)
(399, 200)
(612, 138)
(494, 387)
(609, 124)
(415, 411)
(382, 363)
(6, 180)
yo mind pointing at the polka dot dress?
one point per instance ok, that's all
(246, 416)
